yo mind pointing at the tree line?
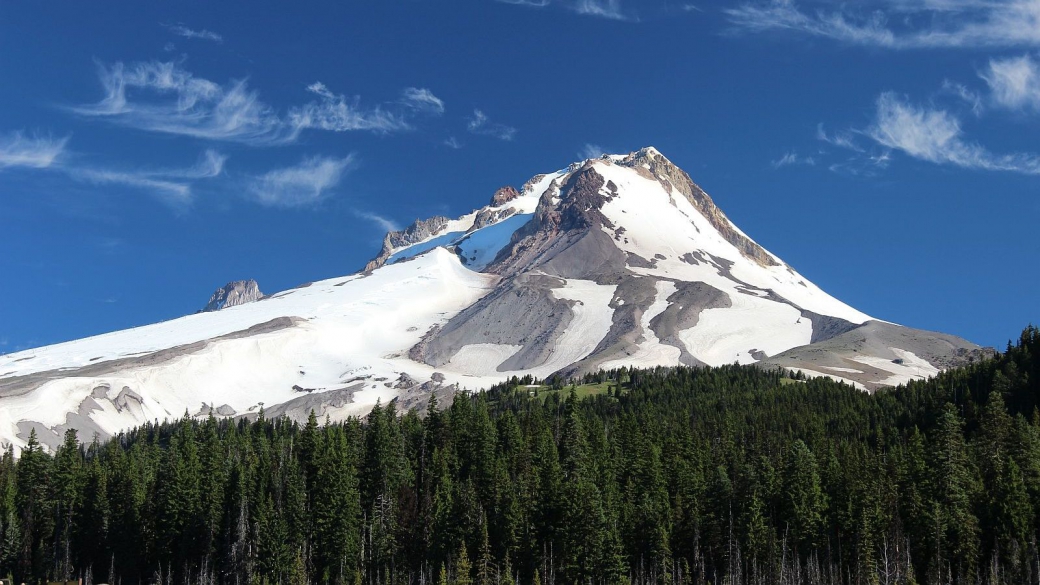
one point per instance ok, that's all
(675, 476)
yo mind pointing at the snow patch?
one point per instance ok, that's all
(481, 359)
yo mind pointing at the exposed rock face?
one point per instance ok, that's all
(566, 216)
(233, 294)
(421, 230)
(486, 217)
(503, 196)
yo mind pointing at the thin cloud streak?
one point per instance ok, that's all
(205, 35)
(533, 3)
(894, 24)
(423, 100)
(302, 185)
(383, 223)
(481, 125)
(34, 152)
(609, 9)
(591, 151)
(792, 158)
(171, 186)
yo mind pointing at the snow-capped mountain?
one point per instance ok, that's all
(617, 261)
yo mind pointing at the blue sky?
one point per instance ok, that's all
(151, 152)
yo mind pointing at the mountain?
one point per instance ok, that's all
(232, 294)
(616, 261)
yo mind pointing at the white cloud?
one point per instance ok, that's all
(843, 139)
(301, 185)
(337, 113)
(183, 31)
(936, 136)
(792, 158)
(900, 24)
(966, 95)
(591, 151)
(172, 186)
(610, 9)
(423, 100)
(452, 142)
(193, 106)
(480, 124)
(36, 152)
(1014, 83)
(383, 223)
(162, 97)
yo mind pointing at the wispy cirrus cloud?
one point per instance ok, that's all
(534, 3)
(935, 135)
(203, 34)
(423, 100)
(791, 159)
(591, 151)
(304, 184)
(172, 186)
(1014, 83)
(338, 113)
(164, 97)
(481, 125)
(383, 223)
(609, 9)
(899, 24)
(453, 143)
(34, 151)
(844, 138)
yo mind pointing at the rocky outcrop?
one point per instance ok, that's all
(422, 229)
(503, 196)
(566, 217)
(486, 217)
(233, 294)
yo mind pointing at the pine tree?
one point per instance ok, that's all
(804, 501)
(463, 569)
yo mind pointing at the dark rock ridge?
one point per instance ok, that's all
(422, 229)
(233, 294)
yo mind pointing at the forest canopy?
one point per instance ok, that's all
(680, 475)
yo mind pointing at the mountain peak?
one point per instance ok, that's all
(616, 261)
(238, 292)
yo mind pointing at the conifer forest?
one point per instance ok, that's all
(672, 476)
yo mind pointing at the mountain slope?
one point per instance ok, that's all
(617, 261)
